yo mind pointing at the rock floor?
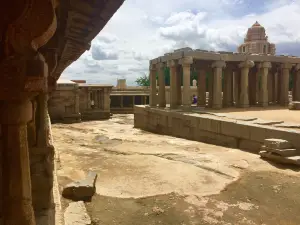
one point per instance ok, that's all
(146, 179)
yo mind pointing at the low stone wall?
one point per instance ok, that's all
(198, 127)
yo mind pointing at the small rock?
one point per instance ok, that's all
(76, 214)
(81, 190)
(294, 106)
(157, 210)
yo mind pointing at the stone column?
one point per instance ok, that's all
(162, 85)
(77, 108)
(178, 82)
(186, 66)
(237, 86)
(275, 86)
(201, 87)
(253, 85)
(296, 87)
(228, 87)
(106, 99)
(152, 76)
(173, 84)
(16, 179)
(88, 99)
(263, 91)
(270, 86)
(244, 94)
(217, 84)
(284, 84)
(42, 113)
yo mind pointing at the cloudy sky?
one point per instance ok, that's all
(141, 30)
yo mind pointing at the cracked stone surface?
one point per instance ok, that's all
(183, 180)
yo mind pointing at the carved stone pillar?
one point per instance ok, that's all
(179, 82)
(253, 85)
(77, 108)
(228, 87)
(296, 87)
(244, 94)
(186, 66)
(152, 74)
(106, 99)
(201, 87)
(162, 85)
(173, 84)
(284, 84)
(275, 86)
(16, 188)
(270, 86)
(217, 83)
(263, 91)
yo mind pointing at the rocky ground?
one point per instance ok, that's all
(147, 179)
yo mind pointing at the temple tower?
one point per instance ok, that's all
(256, 41)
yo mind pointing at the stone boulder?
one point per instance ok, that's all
(81, 190)
(76, 214)
(294, 106)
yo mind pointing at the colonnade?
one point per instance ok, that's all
(239, 84)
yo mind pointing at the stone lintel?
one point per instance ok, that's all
(161, 65)
(218, 64)
(186, 61)
(172, 63)
(246, 64)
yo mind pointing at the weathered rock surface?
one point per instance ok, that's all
(267, 122)
(81, 190)
(288, 125)
(294, 160)
(294, 106)
(76, 214)
(282, 152)
(277, 144)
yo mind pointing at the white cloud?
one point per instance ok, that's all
(142, 30)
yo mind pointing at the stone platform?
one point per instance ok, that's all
(225, 129)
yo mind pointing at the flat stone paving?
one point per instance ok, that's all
(147, 179)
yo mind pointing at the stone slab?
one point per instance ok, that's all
(81, 190)
(277, 143)
(76, 214)
(294, 105)
(288, 125)
(268, 122)
(282, 152)
(242, 118)
(295, 160)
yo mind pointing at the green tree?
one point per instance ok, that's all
(143, 80)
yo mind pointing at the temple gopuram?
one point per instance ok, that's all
(39, 39)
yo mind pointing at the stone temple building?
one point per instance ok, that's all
(256, 41)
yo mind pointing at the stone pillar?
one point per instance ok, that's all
(275, 86)
(244, 94)
(88, 98)
(186, 66)
(173, 84)
(270, 86)
(296, 87)
(106, 99)
(237, 87)
(77, 108)
(162, 85)
(228, 87)
(42, 113)
(201, 87)
(210, 89)
(16, 179)
(217, 84)
(263, 91)
(253, 85)
(153, 84)
(284, 84)
(178, 82)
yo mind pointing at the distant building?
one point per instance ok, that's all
(256, 41)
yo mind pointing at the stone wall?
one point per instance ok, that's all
(198, 127)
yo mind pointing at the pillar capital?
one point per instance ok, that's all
(246, 64)
(186, 61)
(264, 65)
(218, 64)
(172, 63)
(286, 66)
(297, 67)
(160, 65)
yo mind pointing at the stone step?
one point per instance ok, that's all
(282, 152)
(293, 160)
(277, 143)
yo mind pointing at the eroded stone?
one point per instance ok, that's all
(76, 214)
(282, 152)
(81, 190)
(277, 143)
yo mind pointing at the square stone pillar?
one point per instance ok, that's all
(244, 94)
(270, 86)
(106, 103)
(179, 82)
(173, 84)
(275, 86)
(201, 87)
(253, 85)
(186, 66)
(152, 78)
(210, 89)
(296, 87)
(228, 87)
(162, 85)
(284, 84)
(217, 84)
(263, 91)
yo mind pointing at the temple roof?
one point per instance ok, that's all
(256, 24)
